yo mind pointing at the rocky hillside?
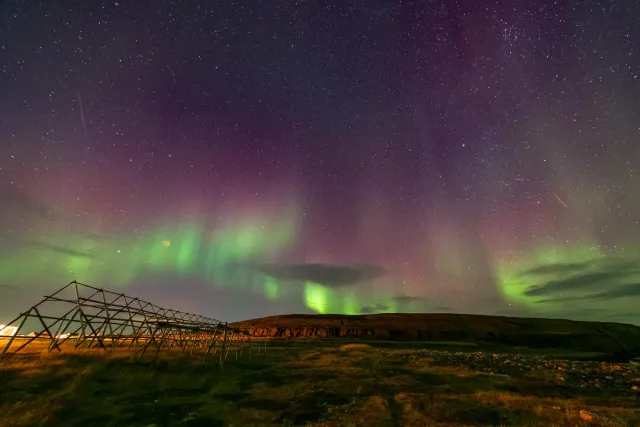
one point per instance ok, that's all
(527, 332)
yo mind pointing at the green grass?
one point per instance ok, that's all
(314, 385)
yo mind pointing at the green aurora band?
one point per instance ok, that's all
(592, 282)
(221, 257)
(512, 275)
(227, 255)
(185, 249)
(325, 300)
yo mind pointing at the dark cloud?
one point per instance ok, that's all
(378, 308)
(578, 282)
(630, 290)
(405, 299)
(602, 273)
(560, 268)
(13, 197)
(323, 274)
(62, 250)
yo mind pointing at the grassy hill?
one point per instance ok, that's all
(511, 331)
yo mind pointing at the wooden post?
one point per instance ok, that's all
(224, 343)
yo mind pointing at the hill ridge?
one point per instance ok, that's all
(486, 329)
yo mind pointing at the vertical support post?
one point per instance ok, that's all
(224, 343)
(54, 339)
(211, 344)
(83, 326)
(108, 320)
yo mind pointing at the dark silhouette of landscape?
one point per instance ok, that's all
(536, 333)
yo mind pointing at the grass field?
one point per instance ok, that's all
(314, 384)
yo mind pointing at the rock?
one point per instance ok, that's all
(586, 416)
(378, 401)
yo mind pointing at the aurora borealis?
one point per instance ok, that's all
(242, 160)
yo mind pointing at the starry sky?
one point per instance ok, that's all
(240, 159)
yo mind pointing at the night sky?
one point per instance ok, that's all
(241, 159)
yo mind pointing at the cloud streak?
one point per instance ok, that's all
(17, 199)
(13, 197)
(63, 250)
(560, 268)
(577, 282)
(595, 280)
(371, 309)
(406, 299)
(624, 291)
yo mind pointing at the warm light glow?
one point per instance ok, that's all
(8, 331)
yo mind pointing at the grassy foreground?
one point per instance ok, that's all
(347, 385)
